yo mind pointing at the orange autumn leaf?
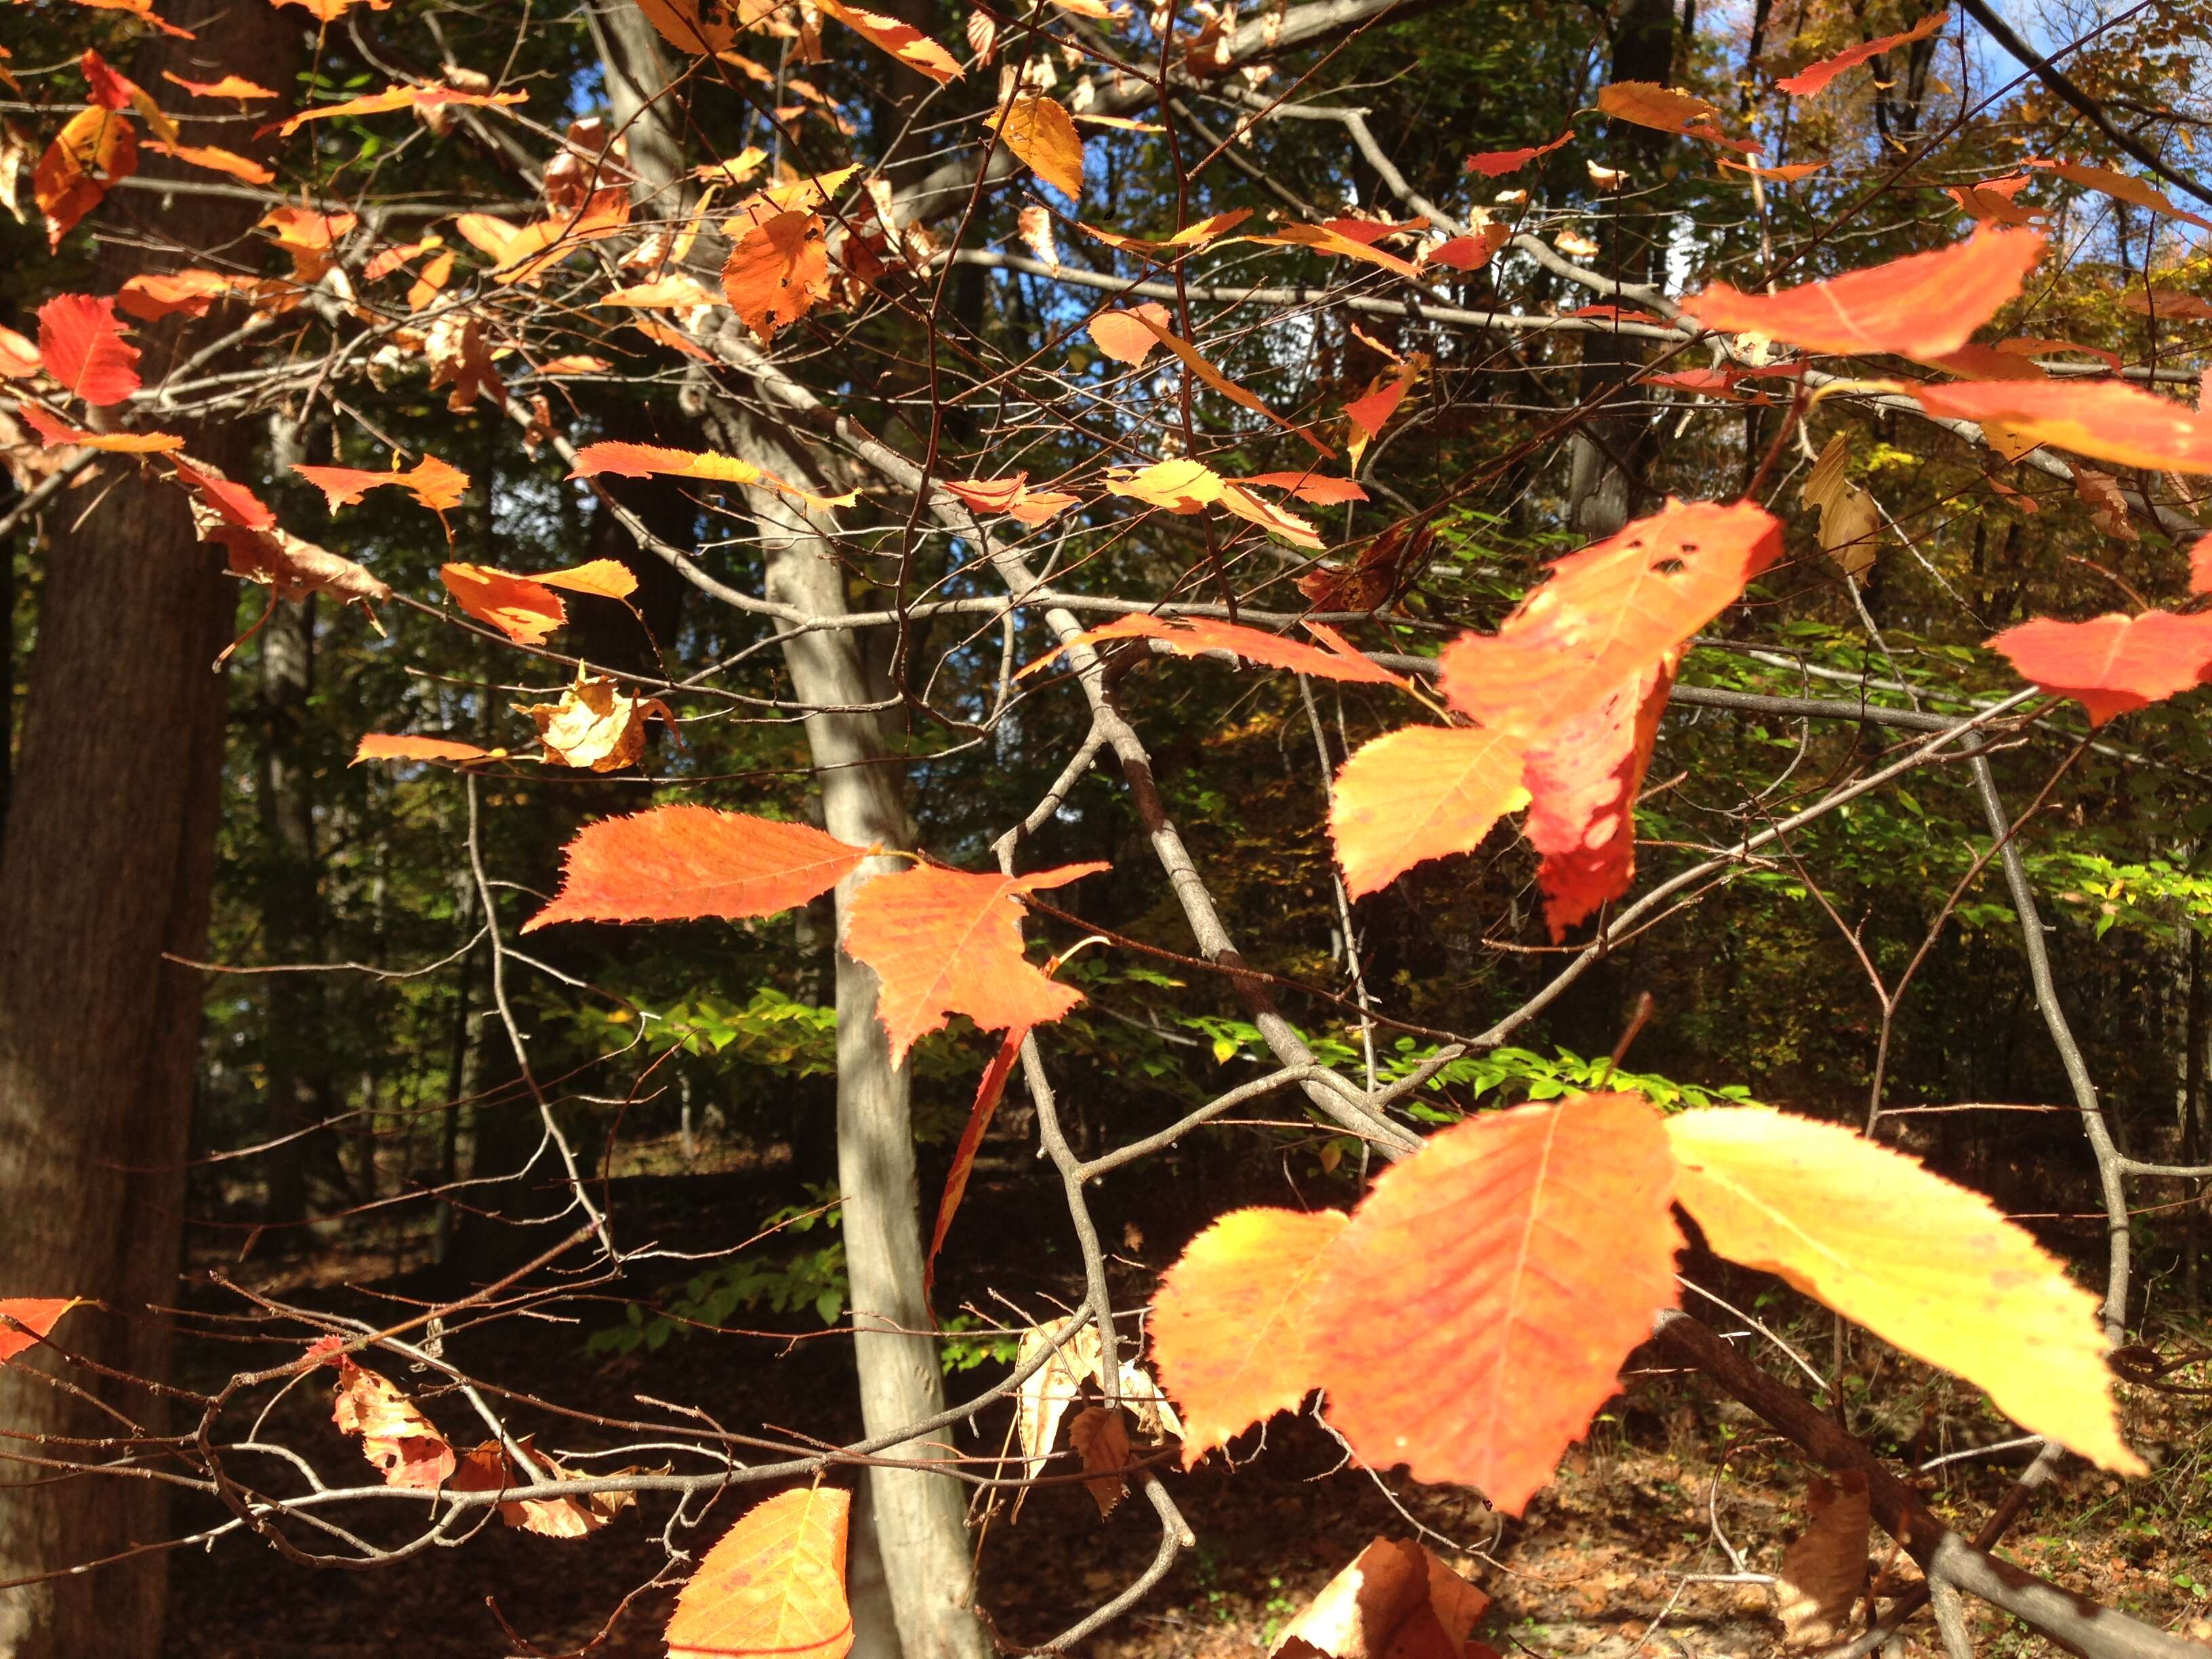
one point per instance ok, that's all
(2102, 419)
(391, 745)
(403, 1444)
(1189, 238)
(1417, 794)
(431, 481)
(231, 86)
(1923, 305)
(1474, 1316)
(1583, 781)
(19, 357)
(192, 291)
(1129, 336)
(704, 28)
(947, 942)
(989, 1090)
(1813, 77)
(544, 243)
(329, 11)
(1041, 131)
(609, 579)
(2114, 663)
(52, 434)
(214, 158)
(1011, 496)
(1610, 613)
(2122, 187)
(902, 41)
(1346, 239)
(778, 270)
(682, 863)
(96, 148)
(1194, 636)
(646, 460)
(775, 1584)
(1930, 1266)
(525, 610)
(1989, 201)
(396, 97)
(1647, 104)
(1315, 487)
(1230, 1322)
(36, 1315)
(80, 342)
(1496, 163)
(1188, 355)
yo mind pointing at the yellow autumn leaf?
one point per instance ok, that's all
(1928, 1265)
(1043, 135)
(1850, 520)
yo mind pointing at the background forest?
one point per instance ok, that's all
(363, 1140)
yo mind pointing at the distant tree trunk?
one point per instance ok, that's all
(295, 1065)
(107, 862)
(2192, 1122)
(1607, 455)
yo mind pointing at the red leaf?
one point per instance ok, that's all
(36, 1315)
(386, 745)
(775, 1584)
(1230, 1321)
(431, 482)
(1496, 163)
(679, 863)
(525, 610)
(1813, 76)
(1923, 305)
(1372, 411)
(1472, 253)
(1194, 636)
(230, 501)
(1420, 793)
(1583, 782)
(2114, 663)
(1474, 1316)
(988, 1091)
(82, 341)
(945, 942)
(1610, 613)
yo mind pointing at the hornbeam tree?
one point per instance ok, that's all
(948, 404)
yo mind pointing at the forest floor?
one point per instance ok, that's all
(1616, 1560)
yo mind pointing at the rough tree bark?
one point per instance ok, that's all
(107, 863)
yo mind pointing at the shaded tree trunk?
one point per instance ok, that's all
(107, 863)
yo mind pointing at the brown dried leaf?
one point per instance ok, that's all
(1825, 1570)
(1101, 1439)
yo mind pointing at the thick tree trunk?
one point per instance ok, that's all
(107, 863)
(919, 1526)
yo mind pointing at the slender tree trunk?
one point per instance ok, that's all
(919, 1525)
(2192, 1118)
(107, 864)
(911, 1576)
